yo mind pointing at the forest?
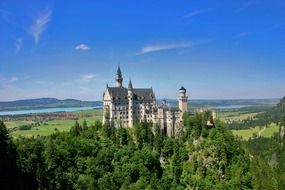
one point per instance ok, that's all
(102, 157)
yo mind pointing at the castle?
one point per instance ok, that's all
(124, 106)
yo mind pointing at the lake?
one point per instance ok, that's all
(47, 110)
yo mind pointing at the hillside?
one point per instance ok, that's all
(225, 103)
(103, 157)
(269, 116)
(45, 103)
(282, 101)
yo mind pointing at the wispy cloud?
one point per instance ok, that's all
(13, 79)
(40, 25)
(243, 34)
(262, 30)
(7, 16)
(18, 44)
(88, 77)
(8, 80)
(246, 5)
(161, 47)
(82, 47)
(194, 13)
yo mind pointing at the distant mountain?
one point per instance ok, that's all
(41, 103)
(226, 102)
(282, 101)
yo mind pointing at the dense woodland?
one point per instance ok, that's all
(103, 157)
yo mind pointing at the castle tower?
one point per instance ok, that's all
(183, 100)
(130, 108)
(105, 109)
(119, 78)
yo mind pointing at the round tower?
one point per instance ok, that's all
(183, 100)
(130, 107)
(119, 78)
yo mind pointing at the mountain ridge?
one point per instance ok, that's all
(39, 103)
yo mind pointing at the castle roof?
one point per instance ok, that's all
(130, 85)
(119, 73)
(122, 92)
(117, 91)
(182, 88)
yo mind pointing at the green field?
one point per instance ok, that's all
(50, 127)
(236, 115)
(12, 124)
(247, 133)
(264, 132)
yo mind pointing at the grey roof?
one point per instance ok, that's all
(145, 92)
(130, 85)
(122, 92)
(182, 88)
(118, 91)
(119, 71)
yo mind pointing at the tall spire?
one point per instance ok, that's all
(119, 71)
(119, 78)
(130, 85)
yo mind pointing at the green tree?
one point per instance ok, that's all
(75, 130)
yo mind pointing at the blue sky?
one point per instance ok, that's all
(71, 49)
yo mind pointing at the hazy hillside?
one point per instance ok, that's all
(226, 102)
(45, 103)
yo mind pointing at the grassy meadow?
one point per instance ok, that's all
(245, 134)
(236, 115)
(259, 131)
(50, 127)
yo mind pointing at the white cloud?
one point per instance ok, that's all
(88, 77)
(13, 79)
(161, 47)
(40, 25)
(194, 13)
(82, 47)
(7, 80)
(19, 43)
